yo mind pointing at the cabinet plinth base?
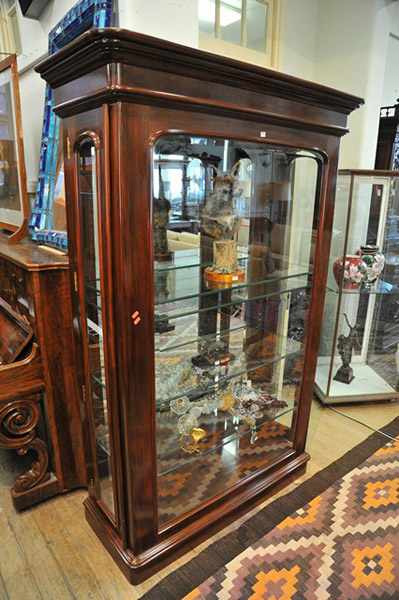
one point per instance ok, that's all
(137, 568)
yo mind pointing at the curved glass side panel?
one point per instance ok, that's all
(233, 239)
(93, 325)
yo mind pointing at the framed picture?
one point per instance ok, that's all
(14, 204)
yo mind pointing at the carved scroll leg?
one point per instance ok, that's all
(38, 472)
(18, 422)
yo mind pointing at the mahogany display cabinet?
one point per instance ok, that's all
(200, 197)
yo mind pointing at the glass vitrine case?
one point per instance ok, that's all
(199, 218)
(359, 354)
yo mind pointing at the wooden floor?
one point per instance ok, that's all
(50, 553)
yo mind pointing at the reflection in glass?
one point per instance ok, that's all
(232, 295)
(10, 196)
(206, 15)
(256, 23)
(58, 215)
(94, 320)
(230, 20)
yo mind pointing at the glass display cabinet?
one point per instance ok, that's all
(359, 354)
(200, 202)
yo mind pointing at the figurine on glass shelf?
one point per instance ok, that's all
(252, 404)
(345, 347)
(212, 354)
(162, 324)
(187, 425)
(220, 223)
(161, 208)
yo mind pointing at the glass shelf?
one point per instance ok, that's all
(190, 306)
(172, 458)
(242, 368)
(268, 281)
(196, 392)
(163, 339)
(233, 433)
(190, 259)
(291, 282)
(375, 290)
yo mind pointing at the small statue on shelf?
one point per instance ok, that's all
(187, 425)
(220, 222)
(252, 403)
(213, 354)
(345, 349)
(162, 324)
(218, 217)
(161, 208)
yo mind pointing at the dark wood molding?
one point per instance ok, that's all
(124, 93)
(97, 48)
(138, 567)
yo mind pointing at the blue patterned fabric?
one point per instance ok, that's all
(84, 15)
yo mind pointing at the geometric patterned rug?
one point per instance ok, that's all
(342, 544)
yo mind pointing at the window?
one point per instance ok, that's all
(244, 29)
(10, 40)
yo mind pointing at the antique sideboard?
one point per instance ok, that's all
(40, 412)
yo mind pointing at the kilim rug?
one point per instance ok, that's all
(334, 537)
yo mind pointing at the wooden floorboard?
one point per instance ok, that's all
(17, 576)
(49, 552)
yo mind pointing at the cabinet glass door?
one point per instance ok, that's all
(232, 286)
(93, 322)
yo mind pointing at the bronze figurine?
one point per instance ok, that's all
(345, 347)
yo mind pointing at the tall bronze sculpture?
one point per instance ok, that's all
(345, 346)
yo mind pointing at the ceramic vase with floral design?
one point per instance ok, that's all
(350, 272)
(360, 269)
(373, 264)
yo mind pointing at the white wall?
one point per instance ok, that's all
(342, 43)
(173, 20)
(347, 51)
(298, 37)
(391, 77)
(34, 39)
(345, 44)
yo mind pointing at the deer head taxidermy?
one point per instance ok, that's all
(219, 220)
